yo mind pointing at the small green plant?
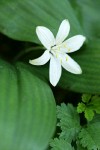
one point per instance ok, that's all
(89, 105)
(73, 135)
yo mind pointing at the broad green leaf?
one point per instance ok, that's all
(69, 122)
(87, 12)
(90, 136)
(18, 19)
(89, 59)
(60, 144)
(27, 109)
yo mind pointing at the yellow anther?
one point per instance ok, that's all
(69, 49)
(65, 45)
(66, 58)
(61, 61)
(58, 48)
(57, 55)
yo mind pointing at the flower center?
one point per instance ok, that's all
(53, 46)
(55, 50)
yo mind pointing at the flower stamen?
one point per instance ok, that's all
(66, 58)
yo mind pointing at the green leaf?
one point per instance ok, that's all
(81, 107)
(69, 122)
(86, 98)
(95, 103)
(90, 136)
(27, 109)
(18, 19)
(79, 146)
(91, 104)
(89, 81)
(88, 111)
(87, 13)
(89, 114)
(60, 144)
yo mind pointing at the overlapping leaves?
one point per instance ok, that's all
(60, 144)
(90, 136)
(27, 109)
(89, 105)
(85, 137)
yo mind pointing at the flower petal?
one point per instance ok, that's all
(70, 65)
(63, 31)
(55, 71)
(42, 59)
(73, 44)
(45, 36)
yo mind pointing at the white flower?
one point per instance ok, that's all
(56, 49)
